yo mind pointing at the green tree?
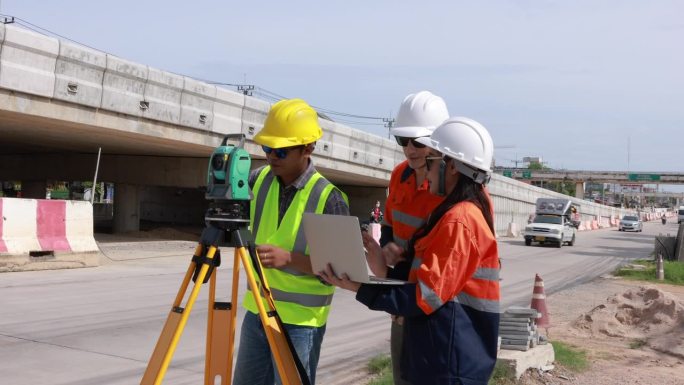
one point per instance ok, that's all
(536, 166)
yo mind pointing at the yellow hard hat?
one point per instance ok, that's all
(290, 122)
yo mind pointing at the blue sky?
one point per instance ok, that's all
(569, 81)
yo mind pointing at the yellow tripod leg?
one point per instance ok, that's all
(175, 323)
(287, 368)
(221, 331)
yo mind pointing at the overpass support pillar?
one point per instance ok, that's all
(126, 208)
(33, 189)
(579, 190)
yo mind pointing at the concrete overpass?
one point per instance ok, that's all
(580, 177)
(60, 102)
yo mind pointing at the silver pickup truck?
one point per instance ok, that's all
(552, 223)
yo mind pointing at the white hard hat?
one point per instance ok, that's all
(419, 114)
(466, 141)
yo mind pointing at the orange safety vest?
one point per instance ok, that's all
(408, 205)
(457, 261)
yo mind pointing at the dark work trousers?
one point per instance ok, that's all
(396, 342)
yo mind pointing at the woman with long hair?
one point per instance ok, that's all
(451, 300)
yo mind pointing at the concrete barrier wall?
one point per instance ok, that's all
(124, 86)
(27, 61)
(228, 108)
(340, 142)
(197, 104)
(39, 233)
(163, 96)
(514, 201)
(253, 116)
(78, 74)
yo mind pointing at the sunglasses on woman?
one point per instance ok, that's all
(280, 153)
(404, 141)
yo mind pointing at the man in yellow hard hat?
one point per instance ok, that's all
(283, 190)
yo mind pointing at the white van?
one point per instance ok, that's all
(680, 214)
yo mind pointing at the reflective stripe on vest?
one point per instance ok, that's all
(477, 303)
(487, 273)
(265, 178)
(434, 301)
(301, 299)
(408, 220)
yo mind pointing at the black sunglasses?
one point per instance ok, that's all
(280, 153)
(404, 141)
(429, 159)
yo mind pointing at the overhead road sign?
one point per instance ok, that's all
(644, 177)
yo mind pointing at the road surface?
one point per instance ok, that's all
(99, 325)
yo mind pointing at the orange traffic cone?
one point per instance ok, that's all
(539, 302)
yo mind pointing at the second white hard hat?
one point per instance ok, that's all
(419, 114)
(466, 141)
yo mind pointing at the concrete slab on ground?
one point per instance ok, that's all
(519, 361)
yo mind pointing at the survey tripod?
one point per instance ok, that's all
(226, 220)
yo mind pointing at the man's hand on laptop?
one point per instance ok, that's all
(272, 256)
(328, 275)
(392, 253)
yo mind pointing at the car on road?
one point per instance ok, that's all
(554, 229)
(631, 223)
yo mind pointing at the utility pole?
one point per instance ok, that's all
(246, 89)
(628, 150)
(516, 161)
(389, 123)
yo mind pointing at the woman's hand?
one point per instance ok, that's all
(328, 275)
(392, 254)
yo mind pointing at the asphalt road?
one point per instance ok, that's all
(99, 325)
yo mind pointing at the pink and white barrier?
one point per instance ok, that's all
(55, 231)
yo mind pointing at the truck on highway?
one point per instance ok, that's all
(555, 222)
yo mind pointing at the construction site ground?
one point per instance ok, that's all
(108, 318)
(647, 335)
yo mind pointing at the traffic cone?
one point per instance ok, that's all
(539, 302)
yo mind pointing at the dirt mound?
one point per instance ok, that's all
(645, 313)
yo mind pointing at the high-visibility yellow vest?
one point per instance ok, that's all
(301, 299)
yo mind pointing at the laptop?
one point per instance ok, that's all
(336, 239)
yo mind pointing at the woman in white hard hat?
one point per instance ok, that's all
(409, 201)
(451, 303)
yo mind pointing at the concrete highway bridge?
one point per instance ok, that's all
(60, 102)
(580, 177)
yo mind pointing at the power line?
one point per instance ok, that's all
(322, 109)
(36, 28)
